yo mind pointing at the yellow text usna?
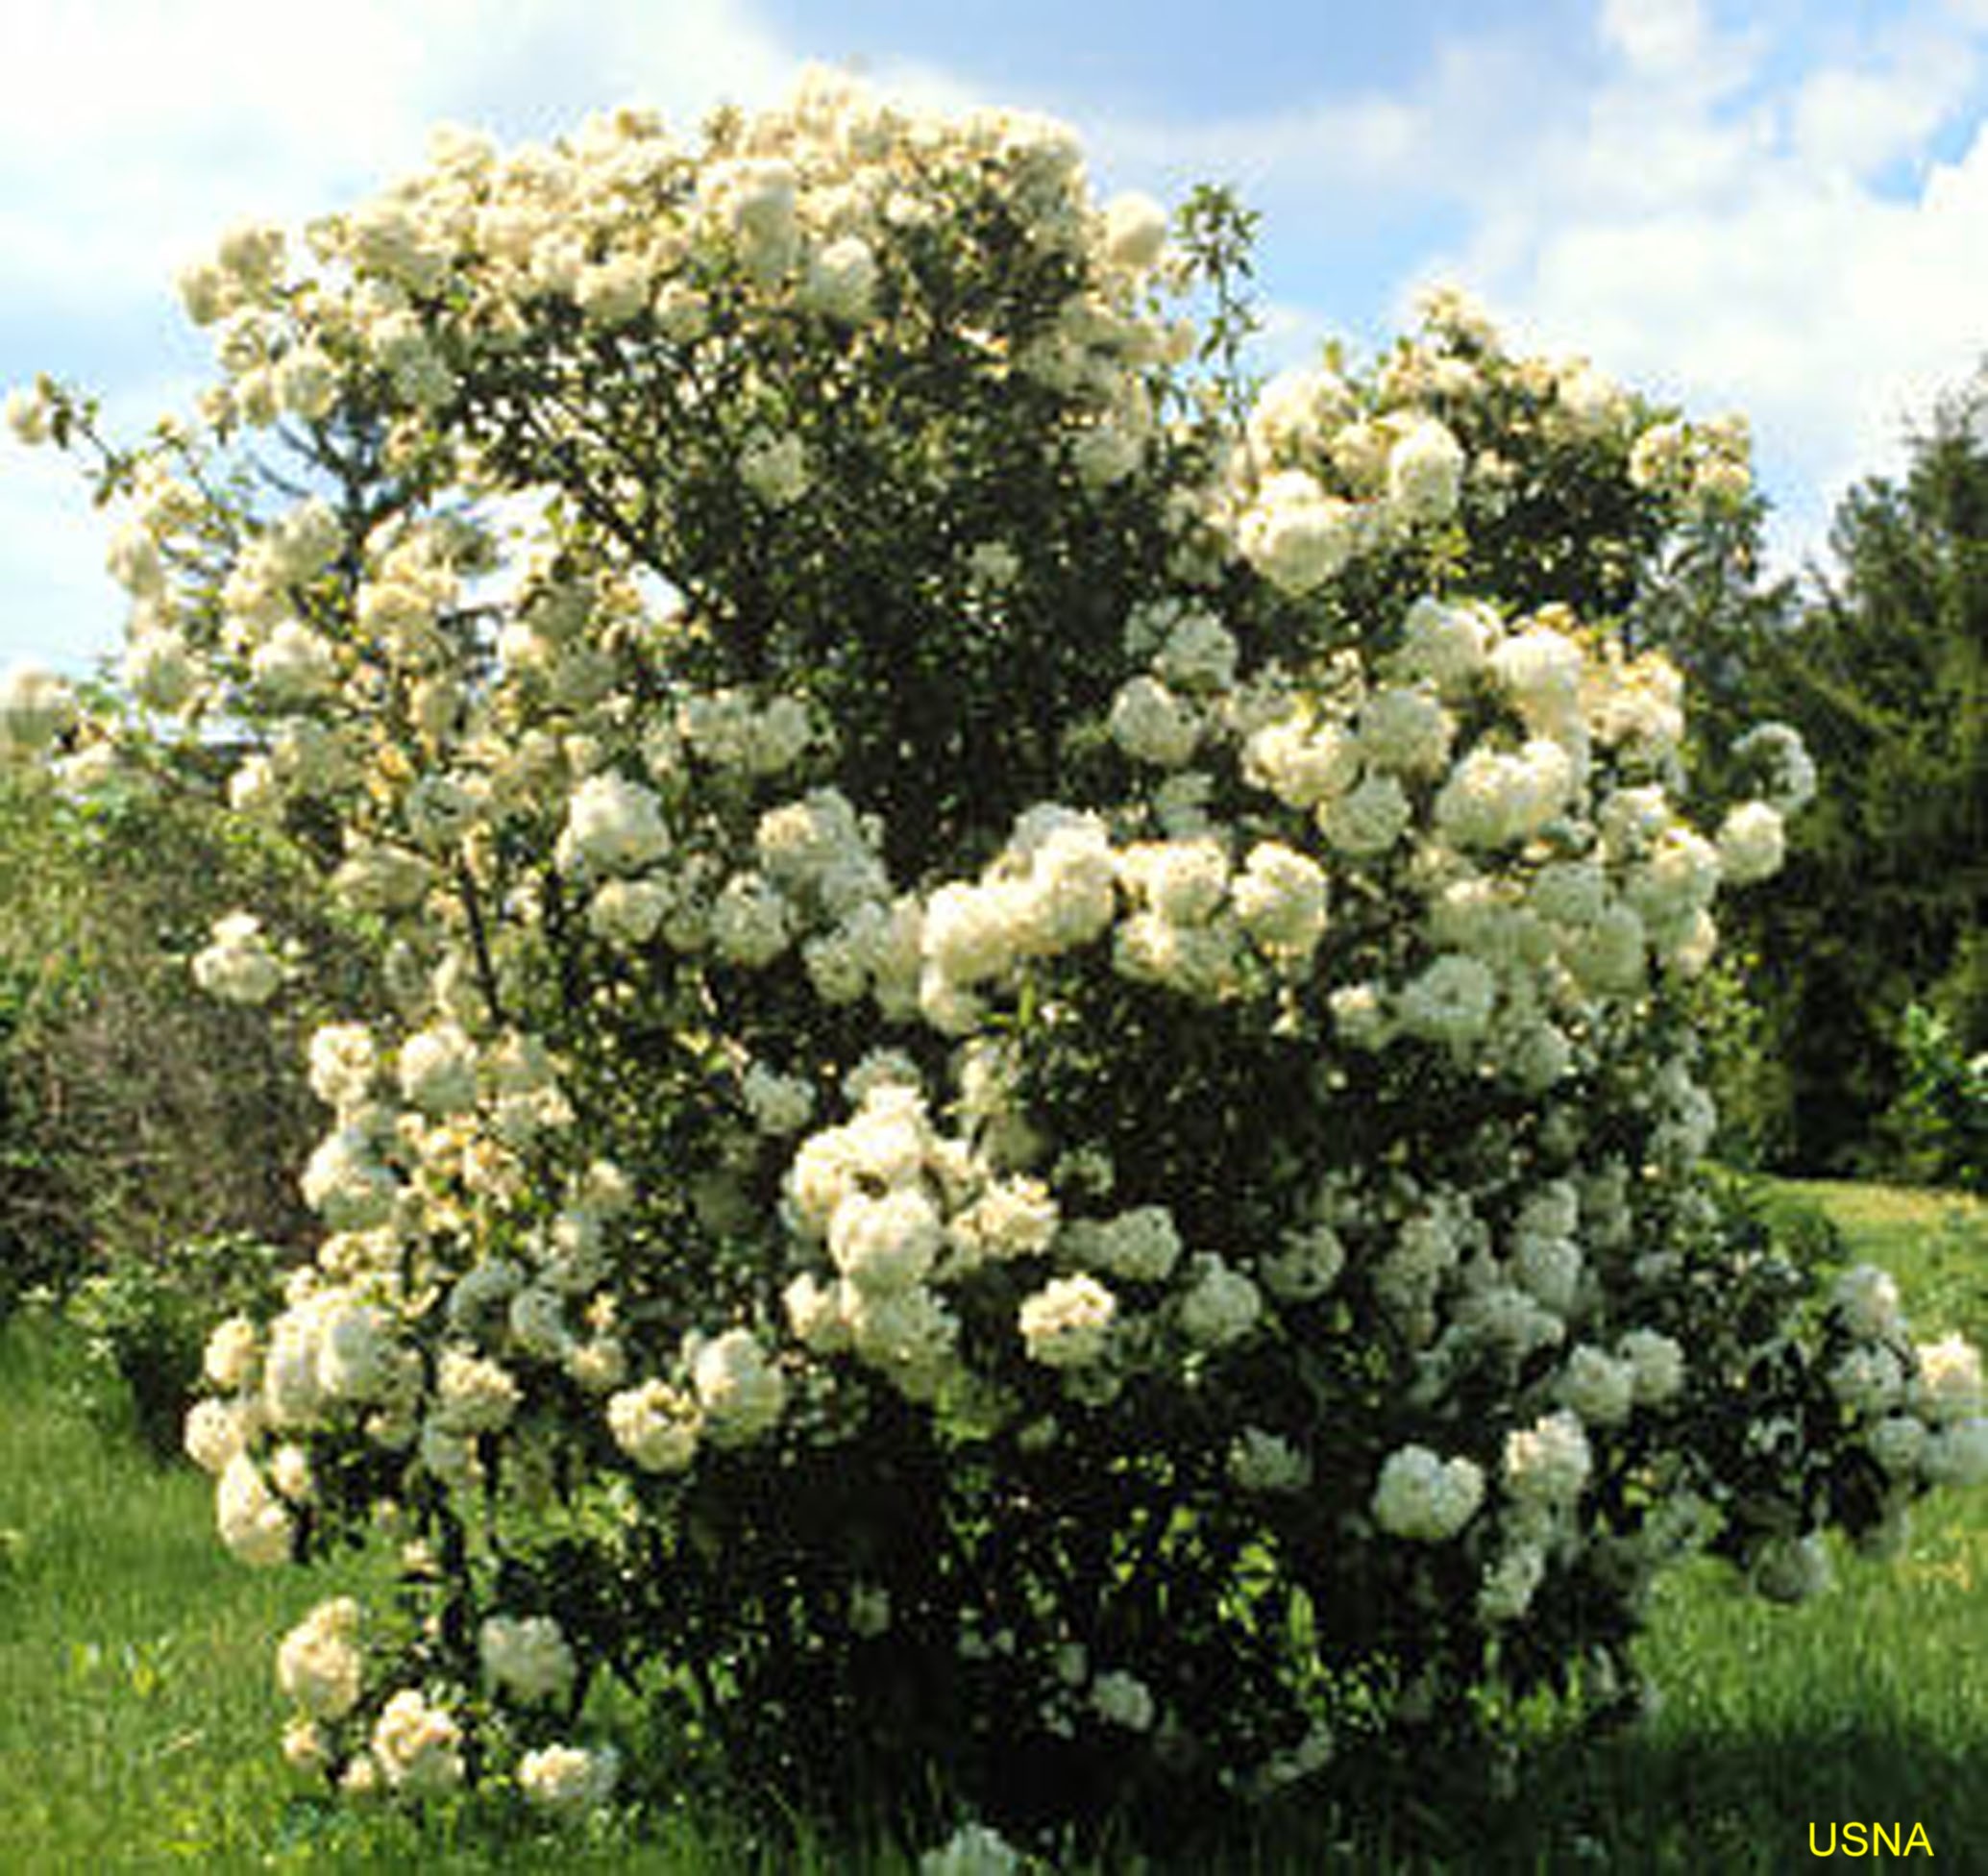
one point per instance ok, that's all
(1868, 1839)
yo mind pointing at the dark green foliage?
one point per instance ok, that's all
(1884, 672)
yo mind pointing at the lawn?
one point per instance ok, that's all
(138, 1716)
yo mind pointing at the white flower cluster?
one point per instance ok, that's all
(319, 1665)
(1420, 1494)
(239, 967)
(527, 1657)
(569, 1780)
(417, 1747)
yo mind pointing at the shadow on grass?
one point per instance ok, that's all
(1650, 1801)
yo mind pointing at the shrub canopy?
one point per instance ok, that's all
(1035, 1123)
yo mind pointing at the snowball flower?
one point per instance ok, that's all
(1868, 1299)
(750, 922)
(1426, 1497)
(741, 1391)
(969, 933)
(377, 878)
(840, 280)
(1496, 797)
(627, 912)
(1070, 892)
(158, 668)
(342, 1064)
(1223, 1305)
(1445, 643)
(214, 1432)
(1957, 1454)
(1868, 1379)
(29, 412)
(1598, 1388)
(526, 1658)
(1369, 818)
(1279, 899)
(438, 1069)
(1152, 725)
(1104, 453)
(1266, 1461)
(294, 665)
(1198, 654)
(1303, 764)
(1510, 1583)
(972, 1850)
(1134, 230)
(354, 1352)
(613, 825)
(779, 1103)
(1404, 729)
(1752, 844)
(1541, 670)
(1291, 412)
(1123, 1700)
(1143, 1245)
(1183, 880)
(239, 967)
(474, 1394)
(1295, 535)
(776, 469)
(253, 1523)
(885, 1243)
(656, 1426)
(319, 1664)
(1067, 1322)
(346, 1184)
(1548, 1463)
(1425, 469)
(1450, 1002)
(1014, 1217)
(569, 1779)
(1657, 1366)
(233, 1350)
(35, 707)
(417, 1747)
(1949, 1387)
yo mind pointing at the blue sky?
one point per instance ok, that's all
(1775, 207)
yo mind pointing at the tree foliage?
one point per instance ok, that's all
(1884, 669)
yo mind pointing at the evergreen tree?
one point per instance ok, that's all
(1884, 672)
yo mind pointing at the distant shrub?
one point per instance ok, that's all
(134, 1113)
(145, 1322)
(1940, 1120)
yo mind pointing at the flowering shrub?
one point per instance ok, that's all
(1037, 1124)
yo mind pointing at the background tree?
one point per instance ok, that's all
(1884, 672)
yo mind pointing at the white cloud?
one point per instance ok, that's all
(137, 129)
(1730, 241)
(1654, 36)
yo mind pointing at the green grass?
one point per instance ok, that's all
(139, 1714)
